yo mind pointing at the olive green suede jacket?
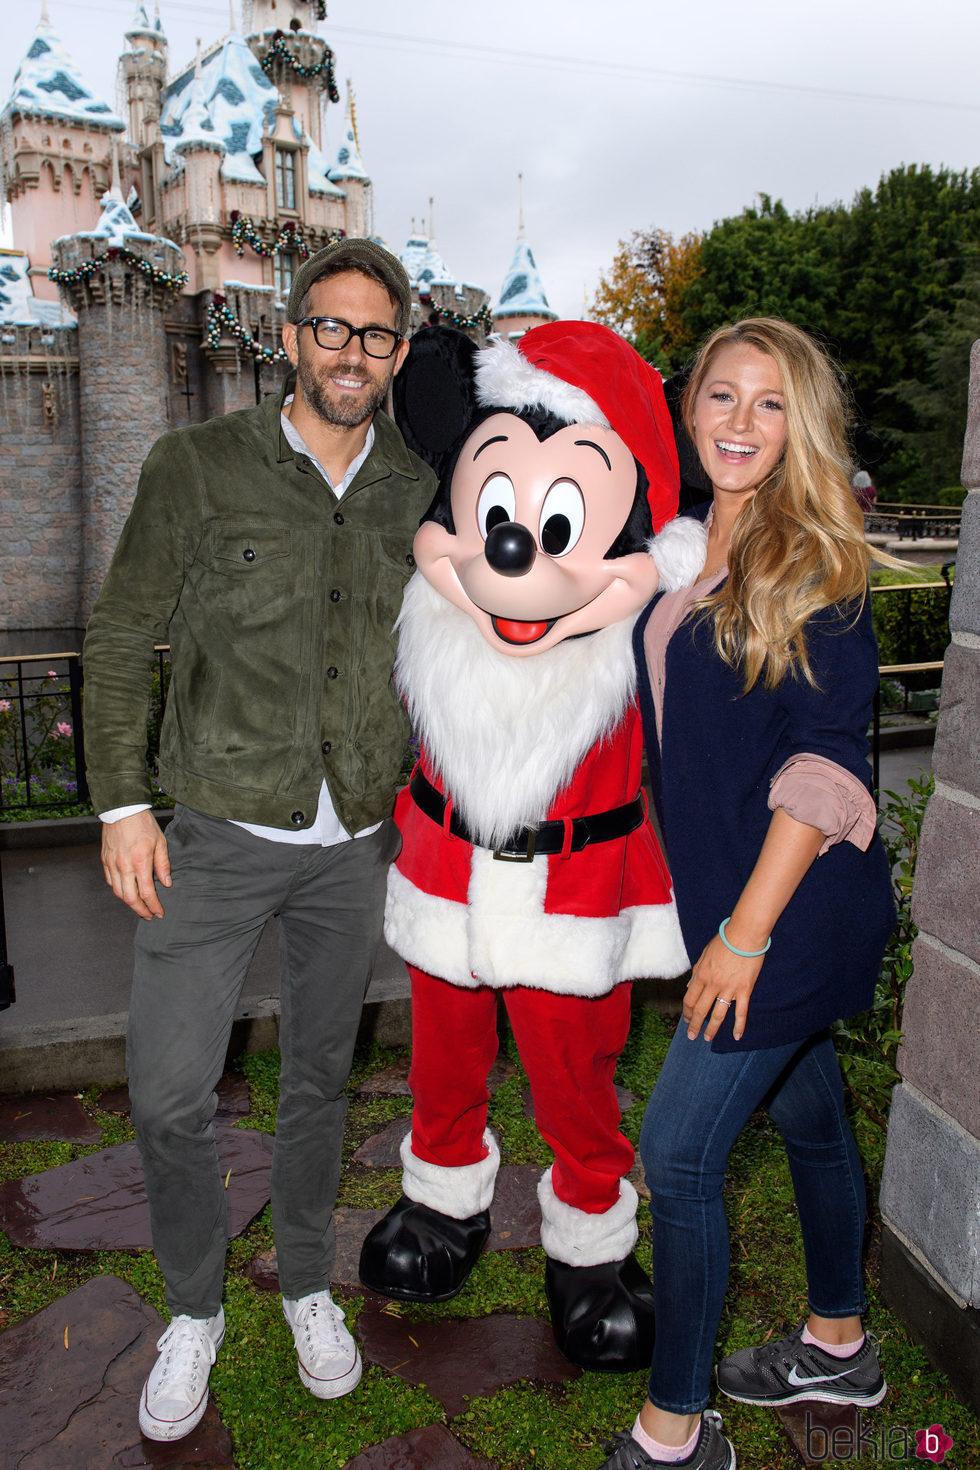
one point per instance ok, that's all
(278, 602)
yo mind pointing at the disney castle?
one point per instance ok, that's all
(153, 253)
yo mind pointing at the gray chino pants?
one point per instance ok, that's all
(189, 973)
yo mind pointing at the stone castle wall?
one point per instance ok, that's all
(930, 1194)
(40, 488)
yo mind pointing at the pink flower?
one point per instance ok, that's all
(63, 729)
(52, 674)
(4, 706)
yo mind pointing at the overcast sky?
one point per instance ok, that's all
(620, 115)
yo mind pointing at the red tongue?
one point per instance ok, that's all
(516, 632)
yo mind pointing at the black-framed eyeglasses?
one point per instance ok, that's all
(332, 333)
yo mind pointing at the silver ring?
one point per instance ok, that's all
(720, 1002)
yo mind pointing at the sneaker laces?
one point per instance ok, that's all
(320, 1319)
(184, 1346)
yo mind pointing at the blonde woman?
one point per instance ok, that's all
(756, 684)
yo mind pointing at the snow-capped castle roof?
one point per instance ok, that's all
(49, 84)
(522, 292)
(233, 94)
(18, 304)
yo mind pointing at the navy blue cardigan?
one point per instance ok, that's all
(711, 775)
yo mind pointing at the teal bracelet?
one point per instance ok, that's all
(747, 954)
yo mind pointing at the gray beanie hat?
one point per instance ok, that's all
(353, 253)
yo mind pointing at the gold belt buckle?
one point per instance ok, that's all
(517, 857)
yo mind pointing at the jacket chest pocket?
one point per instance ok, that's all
(249, 567)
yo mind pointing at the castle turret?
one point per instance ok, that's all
(117, 280)
(349, 172)
(55, 139)
(143, 71)
(283, 40)
(522, 303)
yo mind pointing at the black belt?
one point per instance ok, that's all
(547, 840)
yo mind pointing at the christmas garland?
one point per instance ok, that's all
(221, 318)
(243, 233)
(280, 50)
(481, 318)
(171, 280)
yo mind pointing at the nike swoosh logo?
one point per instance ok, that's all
(798, 1382)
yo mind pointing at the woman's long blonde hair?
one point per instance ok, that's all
(798, 545)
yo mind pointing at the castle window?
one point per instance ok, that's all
(285, 178)
(283, 266)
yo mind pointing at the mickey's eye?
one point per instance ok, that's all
(562, 518)
(497, 503)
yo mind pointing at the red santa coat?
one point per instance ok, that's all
(576, 925)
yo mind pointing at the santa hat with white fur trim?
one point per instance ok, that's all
(584, 373)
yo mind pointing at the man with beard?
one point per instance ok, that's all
(270, 547)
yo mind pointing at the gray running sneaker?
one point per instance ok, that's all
(712, 1451)
(791, 1371)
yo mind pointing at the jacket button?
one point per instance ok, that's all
(298, 818)
(326, 747)
(332, 672)
(248, 554)
(410, 559)
(338, 518)
(335, 595)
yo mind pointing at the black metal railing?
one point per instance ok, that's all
(42, 755)
(913, 522)
(42, 750)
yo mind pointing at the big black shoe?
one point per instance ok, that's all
(419, 1255)
(602, 1316)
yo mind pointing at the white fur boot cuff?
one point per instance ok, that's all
(458, 1192)
(579, 1239)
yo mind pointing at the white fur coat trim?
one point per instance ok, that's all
(505, 379)
(679, 551)
(580, 1239)
(503, 937)
(506, 734)
(458, 1193)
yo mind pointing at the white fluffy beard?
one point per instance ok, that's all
(506, 734)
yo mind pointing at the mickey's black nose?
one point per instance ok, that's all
(510, 549)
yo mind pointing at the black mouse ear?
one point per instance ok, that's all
(695, 485)
(435, 395)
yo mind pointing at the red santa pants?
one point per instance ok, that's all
(569, 1046)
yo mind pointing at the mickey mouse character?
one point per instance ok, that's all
(529, 868)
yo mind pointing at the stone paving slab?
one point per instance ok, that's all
(455, 1361)
(392, 1081)
(382, 1150)
(54, 1117)
(821, 1432)
(431, 1448)
(99, 1202)
(232, 1093)
(70, 1380)
(350, 1228)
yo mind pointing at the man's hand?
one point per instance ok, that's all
(133, 850)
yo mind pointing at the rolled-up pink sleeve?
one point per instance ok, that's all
(824, 795)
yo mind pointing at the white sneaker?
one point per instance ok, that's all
(329, 1363)
(176, 1393)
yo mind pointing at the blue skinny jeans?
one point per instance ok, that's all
(700, 1104)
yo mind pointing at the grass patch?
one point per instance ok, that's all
(275, 1423)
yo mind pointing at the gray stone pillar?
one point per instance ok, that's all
(123, 382)
(930, 1192)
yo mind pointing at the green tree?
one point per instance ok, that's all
(937, 400)
(643, 294)
(889, 284)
